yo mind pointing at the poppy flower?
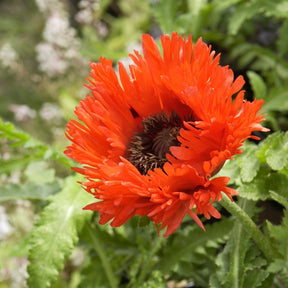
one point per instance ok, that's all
(150, 140)
(164, 195)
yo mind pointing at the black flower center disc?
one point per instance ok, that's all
(148, 148)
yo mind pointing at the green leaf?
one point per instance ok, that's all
(7, 130)
(277, 100)
(56, 232)
(248, 163)
(38, 149)
(237, 261)
(280, 268)
(243, 12)
(224, 4)
(260, 188)
(282, 41)
(195, 237)
(156, 280)
(214, 282)
(38, 172)
(15, 164)
(274, 150)
(280, 234)
(280, 199)
(29, 191)
(255, 270)
(231, 170)
(89, 279)
(165, 14)
(258, 85)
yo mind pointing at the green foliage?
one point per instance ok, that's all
(248, 163)
(30, 191)
(156, 280)
(252, 38)
(244, 12)
(280, 234)
(260, 177)
(55, 234)
(240, 263)
(261, 187)
(35, 148)
(255, 172)
(165, 14)
(193, 238)
(11, 133)
(274, 151)
(258, 85)
(190, 20)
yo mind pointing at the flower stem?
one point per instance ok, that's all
(148, 261)
(103, 257)
(262, 242)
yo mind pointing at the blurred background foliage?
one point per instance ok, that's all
(45, 50)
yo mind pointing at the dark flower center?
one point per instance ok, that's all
(148, 148)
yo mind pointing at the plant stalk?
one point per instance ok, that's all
(262, 242)
(103, 257)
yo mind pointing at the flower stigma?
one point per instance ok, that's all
(148, 147)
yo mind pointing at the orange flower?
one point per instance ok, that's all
(155, 137)
(165, 196)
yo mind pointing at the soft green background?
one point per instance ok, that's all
(40, 199)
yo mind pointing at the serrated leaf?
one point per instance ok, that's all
(237, 246)
(239, 259)
(280, 233)
(248, 163)
(280, 268)
(56, 232)
(258, 85)
(29, 191)
(232, 258)
(265, 182)
(274, 149)
(196, 237)
(255, 278)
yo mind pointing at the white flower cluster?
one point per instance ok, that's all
(60, 46)
(87, 15)
(8, 56)
(87, 9)
(50, 112)
(46, 6)
(15, 272)
(22, 112)
(5, 227)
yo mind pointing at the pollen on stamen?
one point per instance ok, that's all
(148, 148)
